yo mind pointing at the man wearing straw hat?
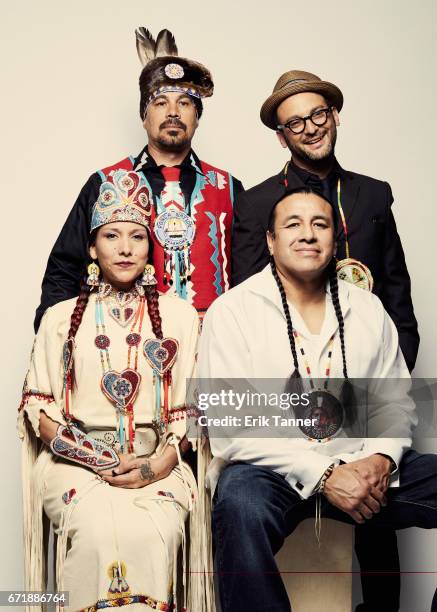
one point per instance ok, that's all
(304, 111)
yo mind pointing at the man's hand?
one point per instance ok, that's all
(347, 490)
(374, 469)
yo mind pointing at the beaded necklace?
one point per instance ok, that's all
(121, 388)
(323, 412)
(349, 269)
(323, 408)
(306, 363)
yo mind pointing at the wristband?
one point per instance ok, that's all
(73, 444)
(184, 445)
(326, 474)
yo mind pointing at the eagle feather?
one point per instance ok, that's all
(165, 44)
(146, 45)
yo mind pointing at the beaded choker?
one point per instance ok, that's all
(121, 305)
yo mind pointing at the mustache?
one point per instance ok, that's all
(173, 123)
(314, 136)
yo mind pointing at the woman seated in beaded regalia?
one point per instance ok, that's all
(103, 422)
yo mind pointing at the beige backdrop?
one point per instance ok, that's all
(69, 105)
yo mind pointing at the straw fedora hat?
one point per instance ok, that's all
(294, 82)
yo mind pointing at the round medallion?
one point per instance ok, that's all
(102, 341)
(161, 354)
(174, 71)
(355, 272)
(133, 339)
(121, 388)
(174, 230)
(326, 414)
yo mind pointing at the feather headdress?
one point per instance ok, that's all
(162, 72)
(148, 48)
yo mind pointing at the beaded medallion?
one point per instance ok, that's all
(102, 341)
(326, 414)
(133, 339)
(161, 354)
(355, 272)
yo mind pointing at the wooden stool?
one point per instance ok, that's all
(309, 572)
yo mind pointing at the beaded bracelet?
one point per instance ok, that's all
(326, 474)
(184, 445)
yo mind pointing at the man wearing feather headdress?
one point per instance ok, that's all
(187, 194)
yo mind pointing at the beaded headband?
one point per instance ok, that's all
(190, 91)
(124, 196)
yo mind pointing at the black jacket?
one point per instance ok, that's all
(373, 239)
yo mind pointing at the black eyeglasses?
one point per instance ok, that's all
(297, 124)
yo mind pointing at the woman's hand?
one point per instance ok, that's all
(128, 462)
(134, 473)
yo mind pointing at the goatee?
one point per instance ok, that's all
(172, 145)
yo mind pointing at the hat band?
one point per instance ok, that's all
(296, 81)
(190, 91)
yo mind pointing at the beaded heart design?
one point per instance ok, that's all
(121, 388)
(68, 496)
(123, 315)
(161, 354)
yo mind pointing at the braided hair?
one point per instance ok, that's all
(347, 395)
(296, 373)
(152, 297)
(79, 308)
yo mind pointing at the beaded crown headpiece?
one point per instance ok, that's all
(123, 196)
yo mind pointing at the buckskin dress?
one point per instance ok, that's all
(115, 547)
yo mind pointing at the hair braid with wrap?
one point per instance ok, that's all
(79, 309)
(347, 395)
(333, 282)
(296, 373)
(152, 297)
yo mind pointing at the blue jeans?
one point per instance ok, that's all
(255, 509)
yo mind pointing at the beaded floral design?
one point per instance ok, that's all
(174, 71)
(124, 196)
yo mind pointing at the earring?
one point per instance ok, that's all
(148, 277)
(93, 275)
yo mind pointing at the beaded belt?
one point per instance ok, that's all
(145, 443)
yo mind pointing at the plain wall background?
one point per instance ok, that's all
(69, 105)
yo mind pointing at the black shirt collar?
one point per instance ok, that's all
(144, 161)
(190, 167)
(306, 176)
